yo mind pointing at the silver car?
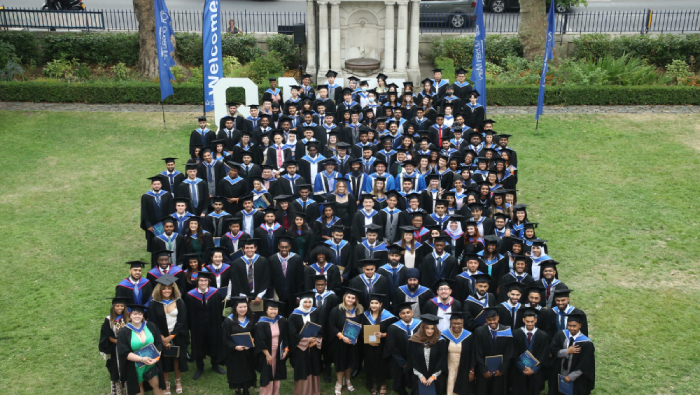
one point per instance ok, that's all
(453, 13)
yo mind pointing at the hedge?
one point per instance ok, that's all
(141, 92)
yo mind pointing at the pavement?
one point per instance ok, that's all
(493, 110)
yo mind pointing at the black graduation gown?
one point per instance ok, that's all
(183, 190)
(261, 278)
(248, 175)
(406, 218)
(291, 284)
(376, 361)
(484, 347)
(176, 180)
(219, 172)
(474, 308)
(196, 139)
(238, 123)
(551, 318)
(438, 363)
(330, 105)
(125, 290)
(583, 361)
(268, 244)
(263, 341)
(507, 279)
(258, 219)
(345, 356)
(109, 348)
(174, 271)
(362, 252)
(215, 224)
(456, 103)
(331, 272)
(428, 277)
(160, 244)
(358, 231)
(204, 321)
(127, 371)
(435, 132)
(324, 306)
(462, 91)
(397, 349)
(307, 362)
(231, 246)
(230, 137)
(345, 211)
(229, 188)
(466, 362)
(238, 151)
(505, 316)
(381, 286)
(151, 213)
(284, 185)
(240, 365)
(473, 117)
(456, 308)
(156, 314)
(400, 296)
(539, 348)
(206, 242)
(272, 156)
(309, 208)
(305, 168)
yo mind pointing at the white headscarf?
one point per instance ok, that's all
(306, 316)
(451, 232)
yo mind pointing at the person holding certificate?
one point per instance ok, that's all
(343, 322)
(376, 323)
(116, 320)
(427, 357)
(305, 346)
(138, 347)
(460, 357)
(240, 366)
(271, 333)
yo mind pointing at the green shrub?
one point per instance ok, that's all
(7, 54)
(93, 48)
(11, 69)
(461, 49)
(284, 45)
(448, 67)
(658, 50)
(189, 48)
(679, 71)
(82, 71)
(25, 40)
(243, 46)
(59, 69)
(268, 65)
(186, 93)
(121, 72)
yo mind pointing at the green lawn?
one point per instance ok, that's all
(616, 197)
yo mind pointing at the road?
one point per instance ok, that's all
(300, 5)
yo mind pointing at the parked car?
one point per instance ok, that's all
(499, 6)
(453, 13)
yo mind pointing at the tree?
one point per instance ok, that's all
(533, 24)
(148, 59)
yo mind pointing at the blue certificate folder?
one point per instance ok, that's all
(494, 363)
(243, 339)
(148, 351)
(566, 388)
(351, 330)
(426, 389)
(529, 360)
(310, 330)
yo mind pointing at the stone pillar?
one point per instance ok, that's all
(310, 37)
(402, 37)
(415, 35)
(335, 35)
(323, 48)
(389, 37)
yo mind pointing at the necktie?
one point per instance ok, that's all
(494, 334)
(337, 255)
(391, 216)
(171, 177)
(279, 156)
(318, 301)
(204, 138)
(529, 338)
(520, 278)
(284, 266)
(438, 270)
(371, 252)
(157, 200)
(408, 331)
(193, 193)
(561, 322)
(566, 360)
(210, 171)
(549, 287)
(322, 270)
(204, 299)
(370, 287)
(251, 284)
(439, 136)
(137, 294)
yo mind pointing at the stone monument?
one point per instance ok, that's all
(363, 38)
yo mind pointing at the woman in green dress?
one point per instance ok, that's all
(133, 337)
(302, 234)
(197, 240)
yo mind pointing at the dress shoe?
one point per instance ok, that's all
(197, 374)
(218, 369)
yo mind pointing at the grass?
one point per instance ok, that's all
(616, 196)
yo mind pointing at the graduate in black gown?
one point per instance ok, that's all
(305, 351)
(171, 177)
(232, 241)
(530, 380)
(167, 310)
(376, 361)
(201, 136)
(116, 320)
(233, 187)
(204, 314)
(251, 274)
(240, 362)
(139, 331)
(478, 301)
(365, 216)
(271, 348)
(169, 240)
(135, 289)
(325, 300)
(427, 356)
(195, 190)
(345, 353)
(163, 267)
(460, 378)
(302, 235)
(268, 233)
(492, 339)
(557, 316)
(573, 356)
(370, 282)
(439, 264)
(287, 273)
(397, 345)
(342, 251)
(155, 204)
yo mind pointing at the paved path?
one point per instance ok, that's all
(493, 110)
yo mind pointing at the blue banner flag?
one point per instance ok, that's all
(479, 59)
(164, 48)
(548, 55)
(211, 43)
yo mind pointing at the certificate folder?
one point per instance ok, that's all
(172, 352)
(566, 388)
(243, 339)
(310, 330)
(529, 360)
(370, 338)
(494, 363)
(148, 351)
(351, 330)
